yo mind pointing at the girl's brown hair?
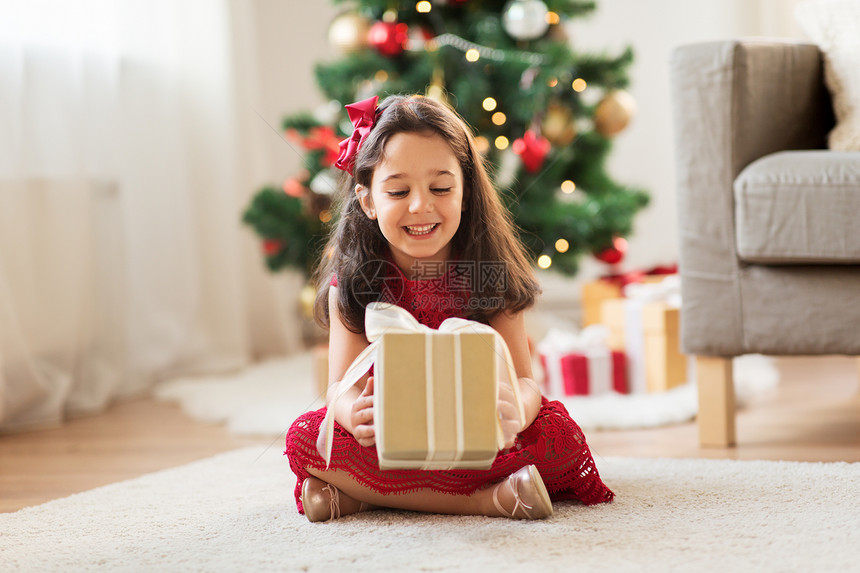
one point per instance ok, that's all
(358, 254)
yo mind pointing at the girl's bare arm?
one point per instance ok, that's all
(513, 330)
(344, 346)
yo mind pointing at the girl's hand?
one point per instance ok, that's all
(509, 415)
(362, 416)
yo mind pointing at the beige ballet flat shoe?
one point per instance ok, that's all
(322, 501)
(531, 500)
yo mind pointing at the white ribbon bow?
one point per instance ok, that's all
(383, 318)
(668, 290)
(560, 341)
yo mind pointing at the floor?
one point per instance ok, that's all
(814, 415)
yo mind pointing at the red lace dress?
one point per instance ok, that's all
(554, 442)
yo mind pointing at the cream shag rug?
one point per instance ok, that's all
(235, 512)
(265, 398)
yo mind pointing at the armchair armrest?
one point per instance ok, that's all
(734, 102)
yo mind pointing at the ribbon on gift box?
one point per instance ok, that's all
(637, 295)
(591, 343)
(637, 276)
(668, 290)
(382, 318)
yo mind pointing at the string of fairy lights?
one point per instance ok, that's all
(473, 52)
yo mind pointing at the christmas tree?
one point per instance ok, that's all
(543, 114)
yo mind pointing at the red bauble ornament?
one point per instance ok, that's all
(532, 149)
(272, 246)
(389, 38)
(614, 254)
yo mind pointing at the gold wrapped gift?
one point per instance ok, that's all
(593, 295)
(665, 367)
(320, 369)
(448, 378)
(435, 401)
(595, 292)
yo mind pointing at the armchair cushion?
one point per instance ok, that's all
(799, 207)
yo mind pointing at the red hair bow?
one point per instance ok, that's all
(362, 114)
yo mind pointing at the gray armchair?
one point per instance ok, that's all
(769, 218)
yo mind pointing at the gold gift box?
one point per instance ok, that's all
(593, 295)
(665, 366)
(595, 292)
(427, 414)
(320, 369)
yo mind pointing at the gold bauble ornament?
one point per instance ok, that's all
(348, 31)
(614, 112)
(307, 297)
(558, 125)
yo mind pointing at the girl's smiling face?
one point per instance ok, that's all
(416, 196)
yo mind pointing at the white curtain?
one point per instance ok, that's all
(776, 19)
(123, 173)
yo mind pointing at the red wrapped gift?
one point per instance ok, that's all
(576, 379)
(582, 364)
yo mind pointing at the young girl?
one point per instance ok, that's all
(421, 226)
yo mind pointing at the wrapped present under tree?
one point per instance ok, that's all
(646, 326)
(612, 286)
(320, 368)
(582, 364)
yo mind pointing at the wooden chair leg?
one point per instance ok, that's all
(716, 401)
